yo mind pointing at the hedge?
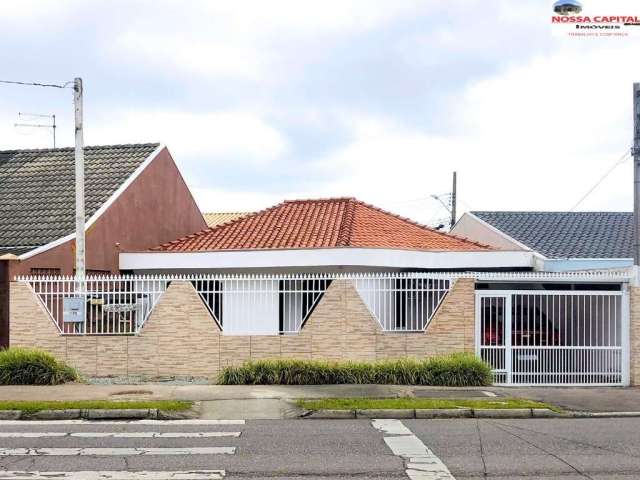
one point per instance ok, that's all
(29, 366)
(455, 370)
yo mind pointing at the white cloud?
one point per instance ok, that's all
(253, 18)
(195, 54)
(536, 136)
(244, 38)
(220, 136)
(32, 8)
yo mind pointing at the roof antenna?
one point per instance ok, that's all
(32, 116)
(451, 202)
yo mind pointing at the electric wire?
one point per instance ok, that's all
(618, 162)
(36, 84)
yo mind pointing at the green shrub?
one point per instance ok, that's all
(456, 370)
(26, 366)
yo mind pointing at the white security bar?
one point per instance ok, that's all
(240, 304)
(404, 304)
(100, 305)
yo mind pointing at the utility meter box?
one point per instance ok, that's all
(73, 310)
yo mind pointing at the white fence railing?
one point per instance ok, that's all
(99, 305)
(402, 303)
(240, 304)
(260, 305)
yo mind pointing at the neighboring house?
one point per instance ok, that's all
(214, 219)
(325, 235)
(560, 241)
(135, 198)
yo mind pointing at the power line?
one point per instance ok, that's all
(36, 84)
(618, 162)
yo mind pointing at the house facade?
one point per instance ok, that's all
(336, 279)
(135, 198)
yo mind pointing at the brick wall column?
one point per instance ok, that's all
(30, 324)
(634, 334)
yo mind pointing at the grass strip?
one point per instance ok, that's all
(418, 403)
(28, 406)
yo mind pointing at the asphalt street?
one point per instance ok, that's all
(324, 449)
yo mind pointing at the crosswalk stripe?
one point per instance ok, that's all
(420, 462)
(115, 475)
(4, 452)
(118, 434)
(122, 422)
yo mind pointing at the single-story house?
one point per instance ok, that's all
(214, 219)
(135, 198)
(559, 241)
(336, 279)
(322, 235)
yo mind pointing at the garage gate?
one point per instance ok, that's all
(554, 337)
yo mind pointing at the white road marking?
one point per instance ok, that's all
(6, 452)
(118, 434)
(391, 427)
(420, 462)
(115, 475)
(489, 394)
(122, 422)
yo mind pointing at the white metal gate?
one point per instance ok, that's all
(554, 337)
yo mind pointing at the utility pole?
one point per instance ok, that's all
(453, 200)
(79, 163)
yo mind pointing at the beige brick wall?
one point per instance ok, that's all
(30, 323)
(181, 338)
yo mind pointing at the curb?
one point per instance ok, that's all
(539, 413)
(86, 414)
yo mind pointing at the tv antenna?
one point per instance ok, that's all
(33, 116)
(450, 202)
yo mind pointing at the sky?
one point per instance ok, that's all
(382, 100)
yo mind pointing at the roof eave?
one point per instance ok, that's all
(353, 257)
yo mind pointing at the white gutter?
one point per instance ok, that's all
(325, 257)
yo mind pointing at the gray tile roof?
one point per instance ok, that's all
(568, 234)
(14, 250)
(37, 190)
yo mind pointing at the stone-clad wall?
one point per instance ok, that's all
(181, 338)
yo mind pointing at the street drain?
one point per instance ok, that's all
(132, 392)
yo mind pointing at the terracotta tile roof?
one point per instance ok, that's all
(214, 219)
(324, 223)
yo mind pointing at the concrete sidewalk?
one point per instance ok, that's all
(585, 399)
(580, 399)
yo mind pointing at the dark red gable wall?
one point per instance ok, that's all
(157, 207)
